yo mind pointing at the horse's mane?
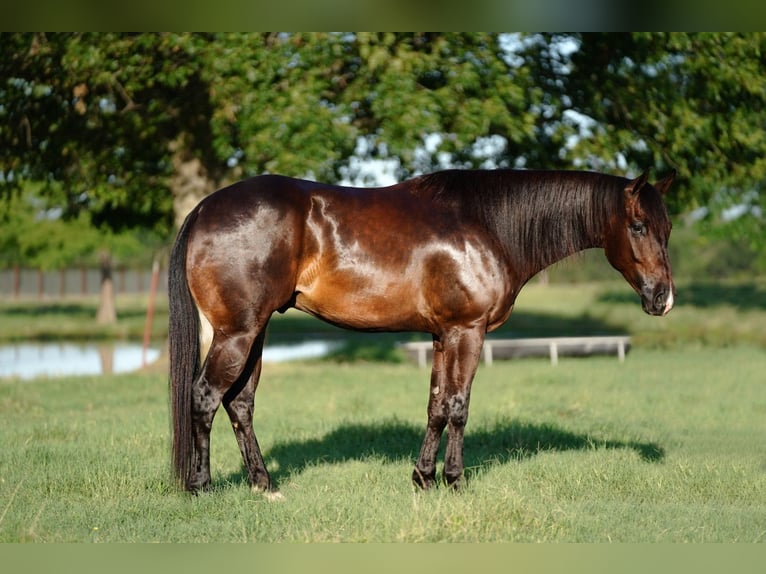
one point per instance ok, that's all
(538, 216)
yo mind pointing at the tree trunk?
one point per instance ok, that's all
(190, 182)
(107, 312)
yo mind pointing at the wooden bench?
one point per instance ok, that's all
(493, 349)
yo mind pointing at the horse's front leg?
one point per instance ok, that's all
(461, 361)
(424, 474)
(456, 357)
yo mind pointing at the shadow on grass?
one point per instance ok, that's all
(504, 442)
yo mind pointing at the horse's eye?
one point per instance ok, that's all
(637, 228)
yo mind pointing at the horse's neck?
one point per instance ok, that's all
(542, 241)
(538, 217)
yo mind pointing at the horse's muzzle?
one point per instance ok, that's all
(658, 301)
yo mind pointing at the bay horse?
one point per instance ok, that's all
(445, 253)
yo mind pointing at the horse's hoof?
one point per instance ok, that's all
(268, 494)
(424, 482)
(198, 488)
(455, 483)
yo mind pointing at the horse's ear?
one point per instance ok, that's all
(635, 185)
(664, 184)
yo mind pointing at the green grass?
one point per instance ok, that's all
(665, 447)
(74, 319)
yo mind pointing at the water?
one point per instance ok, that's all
(304, 350)
(30, 360)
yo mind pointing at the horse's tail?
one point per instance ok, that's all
(183, 332)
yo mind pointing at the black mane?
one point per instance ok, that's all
(538, 216)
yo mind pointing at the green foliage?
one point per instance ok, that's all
(457, 86)
(106, 122)
(693, 102)
(34, 234)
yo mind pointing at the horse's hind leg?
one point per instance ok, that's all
(225, 364)
(239, 402)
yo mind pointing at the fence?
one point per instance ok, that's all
(551, 346)
(28, 283)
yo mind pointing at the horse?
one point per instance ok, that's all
(445, 253)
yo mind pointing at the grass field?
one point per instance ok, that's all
(667, 446)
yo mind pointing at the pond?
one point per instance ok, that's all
(303, 350)
(30, 360)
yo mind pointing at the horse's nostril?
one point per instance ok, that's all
(660, 298)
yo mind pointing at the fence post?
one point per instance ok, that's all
(150, 309)
(488, 358)
(16, 281)
(554, 353)
(40, 284)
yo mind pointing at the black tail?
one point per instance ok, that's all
(183, 334)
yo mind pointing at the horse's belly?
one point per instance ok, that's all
(362, 309)
(428, 287)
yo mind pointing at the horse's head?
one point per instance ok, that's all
(636, 243)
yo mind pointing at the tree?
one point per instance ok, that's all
(126, 132)
(74, 147)
(120, 119)
(437, 100)
(135, 128)
(693, 102)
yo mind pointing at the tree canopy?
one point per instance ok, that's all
(695, 102)
(133, 129)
